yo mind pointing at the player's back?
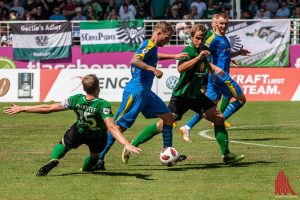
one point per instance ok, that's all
(142, 80)
(90, 114)
(219, 47)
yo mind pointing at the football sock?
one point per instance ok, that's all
(110, 142)
(232, 108)
(222, 138)
(59, 151)
(167, 135)
(194, 120)
(145, 135)
(88, 163)
(224, 104)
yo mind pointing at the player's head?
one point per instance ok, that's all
(214, 22)
(163, 32)
(90, 84)
(222, 23)
(198, 33)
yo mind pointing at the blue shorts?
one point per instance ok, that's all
(132, 104)
(223, 85)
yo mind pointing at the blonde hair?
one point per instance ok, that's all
(164, 27)
(90, 83)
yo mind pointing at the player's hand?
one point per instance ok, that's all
(13, 109)
(244, 52)
(181, 56)
(234, 62)
(219, 71)
(132, 148)
(158, 73)
(203, 54)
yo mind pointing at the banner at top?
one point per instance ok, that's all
(41, 41)
(111, 36)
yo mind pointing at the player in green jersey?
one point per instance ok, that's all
(94, 119)
(187, 95)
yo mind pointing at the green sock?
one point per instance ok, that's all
(145, 135)
(224, 104)
(88, 163)
(222, 138)
(59, 151)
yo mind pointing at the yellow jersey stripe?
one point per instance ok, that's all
(128, 105)
(231, 88)
(148, 47)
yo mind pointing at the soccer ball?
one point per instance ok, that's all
(168, 156)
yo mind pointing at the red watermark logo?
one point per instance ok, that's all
(283, 186)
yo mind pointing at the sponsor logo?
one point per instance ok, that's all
(283, 186)
(106, 111)
(171, 82)
(130, 33)
(4, 86)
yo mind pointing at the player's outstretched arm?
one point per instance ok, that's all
(242, 52)
(113, 129)
(162, 56)
(137, 61)
(217, 69)
(42, 108)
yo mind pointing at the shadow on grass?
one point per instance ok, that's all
(105, 173)
(186, 167)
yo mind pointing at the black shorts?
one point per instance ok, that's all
(73, 139)
(180, 105)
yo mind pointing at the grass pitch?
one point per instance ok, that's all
(264, 132)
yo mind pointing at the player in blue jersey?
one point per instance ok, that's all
(137, 96)
(221, 55)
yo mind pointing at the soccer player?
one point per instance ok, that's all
(94, 118)
(187, 95)
(219, 47)
(137, 95)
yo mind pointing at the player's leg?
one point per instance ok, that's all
(213, 114)
(96, 145)
(232, 89)
(223, 105)
(129, 109)
(70, 140)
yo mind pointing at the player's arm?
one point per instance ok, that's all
(217, 69)
(137, 61)
(187, 65)
(42, 108)
(162, 56)
(113, 129)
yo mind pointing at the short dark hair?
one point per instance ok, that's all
(90, 83)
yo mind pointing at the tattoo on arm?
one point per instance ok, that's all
(137, 61)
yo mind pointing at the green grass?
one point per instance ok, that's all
(26, 141)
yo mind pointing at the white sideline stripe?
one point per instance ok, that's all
(205, 135)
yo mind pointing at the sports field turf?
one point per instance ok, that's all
(26, 141)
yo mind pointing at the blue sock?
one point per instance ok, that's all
(232, 108)
(167, 135)
(110, 142)
(195, 119)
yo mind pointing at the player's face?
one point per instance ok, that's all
(222, 25)
(163, 38)
(198, 39)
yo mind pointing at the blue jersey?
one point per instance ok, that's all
(141, 81)
(219, 47)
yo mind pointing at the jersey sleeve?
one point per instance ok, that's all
(189, 57)
(144, 50)
(210, 42)
(105, 110)
(70, 102)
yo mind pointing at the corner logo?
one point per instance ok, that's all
(171, 82)
(283, 186)
(130, 33)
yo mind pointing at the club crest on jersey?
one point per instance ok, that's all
(106, 111)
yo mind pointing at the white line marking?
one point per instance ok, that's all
(205, 135)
